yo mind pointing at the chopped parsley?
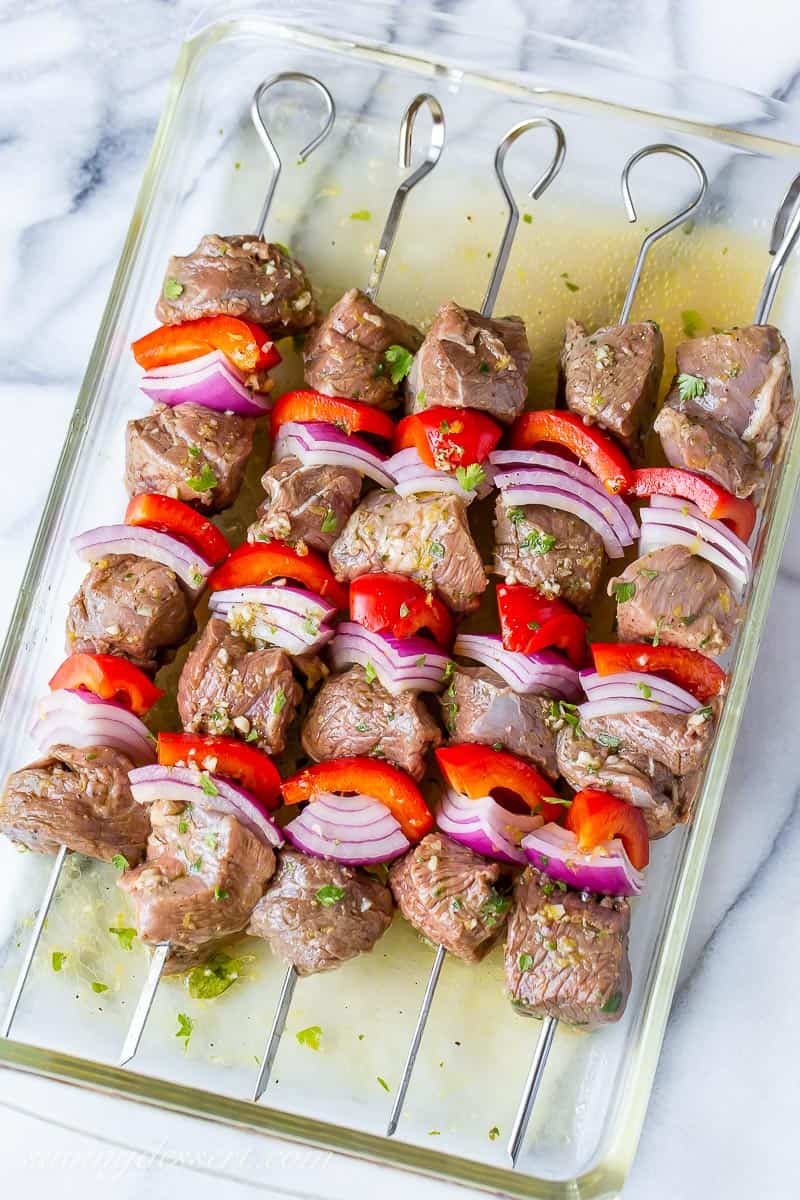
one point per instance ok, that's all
(204, 482)
(311, 624)
(172, 289)
(608, 740)
(648, 574)
(623, 590)
(525, 962)
(383, 1083)
(185, 1028)
(124, 936)
(470, 477)
(57, 959)
(657, 634)
(692, 322)
(691, 386)
(645, 689)
(515, 515)
(193, 451)
(556, 800)
(436, 549)
(362, 727)
(370, 672)
(207, 785)
(527, 218)
(98, 987)
(562, 710)
(120, 862)
(399, 361)
(330, 522)
(279, 702)
(494, 1132)
(612, 1004)
(310, 1037)
(456, 904)
(214, 977)
(252, 736)
(689, 620)
(494, 907)
(484, 368)
(330, 894)
(361, 214)
(706, 712)
(221, 893)
(404, 609)
(196, 866)
(538, 543)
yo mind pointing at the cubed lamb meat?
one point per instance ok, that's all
(345, 355)
(678, 597)
(305, 504)
(351, 715)
(317, 914)
(612, 376)
(478, 706)
(550, 550)
(77, 798)
(730, 406)
(190, 453)
(452, 896)
(470, 361)
(227, 686)
(424, 537)
(238, 277)
(567, 953)
(130, 606)
(202, 878)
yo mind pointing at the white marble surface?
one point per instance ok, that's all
(81, 86)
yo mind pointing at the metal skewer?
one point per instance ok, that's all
(435, 147)
(33, 940)
(785, 232)
(487, 308)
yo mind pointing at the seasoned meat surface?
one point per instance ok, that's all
(351, 716)
(345, 355)
(190, 453)
(566, 956)
(425, 537)
(227, 686)
(612, 376)
(130, 606)
(550, 550)
(698, 444)
(678, 596)
(202, 878)
(238, 277)
(305, 504)
(318, 914)
(452, 896)
(78, 798)
(478, 706)
(470, 361)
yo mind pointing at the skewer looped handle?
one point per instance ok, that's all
(532, 1085)
(419, 1029)
(144, 1003)
(276, 1033)
(785, 233)
(33, 941)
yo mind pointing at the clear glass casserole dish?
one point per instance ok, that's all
(207, 172)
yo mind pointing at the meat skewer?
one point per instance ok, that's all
(487, 308)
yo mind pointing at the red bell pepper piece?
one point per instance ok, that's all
(244, 343)
(109, 677)
(369, 777)
(386, 602)
(712, 500)
(596, 450)
(154, 511)
(596, 817)
(259, 562)
(225, 756)
(477, 771)
(448, 438)
(688, 668)
(530, 622)
(353, 416)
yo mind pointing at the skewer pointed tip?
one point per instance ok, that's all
(419, 1029)
(144, 1004)
(276, 1033)
(33, 942)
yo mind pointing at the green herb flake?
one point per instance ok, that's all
(706, 712)
(221, 893)
(404, 609)
(557, 800)
(185, 1028)
(215, 976)
(515, 515)
(196, 866)
(57, 959)
(370, 673)
(399, 361)
(689, 620)
(252, 736)
(98, 987)
(330, 522)
(525, 962)
(470, 477)
(456, 904)
(204, 482)
(279, 702)
(172, 289)
(648, 574)
(383, 1083)
(329, 895)
(193, 451)
(124, 936)
(645, 689)
(527, 218)
(494, 907)
(310, 1036)
(691, 386)
(612, 1004)
(691, 321)
(361, 214)
(183, 826)
(120, 862)
(609, 741)
(436, 549)
(538, 543)
(573, 287)
(494, 1132)
(207, 785)
(484, 368)
(623, 591)
(657, 634)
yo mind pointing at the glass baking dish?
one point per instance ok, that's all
(207, 172)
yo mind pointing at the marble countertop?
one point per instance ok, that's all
(81, 86)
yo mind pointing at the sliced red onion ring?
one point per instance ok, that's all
(567, 501)
(639, 685)
(412, 476)
(485, 826)
(718, 534)
(188, 565)
(542, 674)
(401, 664)
(321, 444)
(671, 527)
(187, 785)
(356, 830)
(620, 705)
(606, 869)
(212, 381)
(81, 719)
(291, 618)
(537, 478)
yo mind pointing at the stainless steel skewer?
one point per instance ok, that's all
(33, 940)
(379, 263)
(161, 952)
(501, 262)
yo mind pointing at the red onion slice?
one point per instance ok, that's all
(615, 706)
(608, 506)
(668, 527)
(290, 618)
(606, 869)
(485, 826)
(356, 830)
(412, 477)
(79, 718)
(639, 685)
(401, 664)
(183, 560)
(716, 532)
(541, 674)
(212, 381)
(320, 444)
(566, 501)
(291, 599)
(187, 785)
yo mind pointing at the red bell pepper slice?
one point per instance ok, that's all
(596, 817)
(596, 450)
(369, 777)
(244, 343)
(477, 771)
(387, 602)
(225, 756)
(530, 622)
(712, 500)
(353, 416)
(260, 562)
(448, 438)
(688, 668)
(154, 511)
(109, 677)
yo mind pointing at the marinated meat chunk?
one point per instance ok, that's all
(227, 686)
(478, 706)
(425, 537)
(452, 896)
(550, 550)
(238, 277)
(190, 453)
(130, 606)
(305, 504)
(318, 914)
(77, 798)
(566, 956)
(612, 376)
(203, 876)
(345, 355)
(678, 596)
(351, 716)
(697, 444)
(470, 361)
